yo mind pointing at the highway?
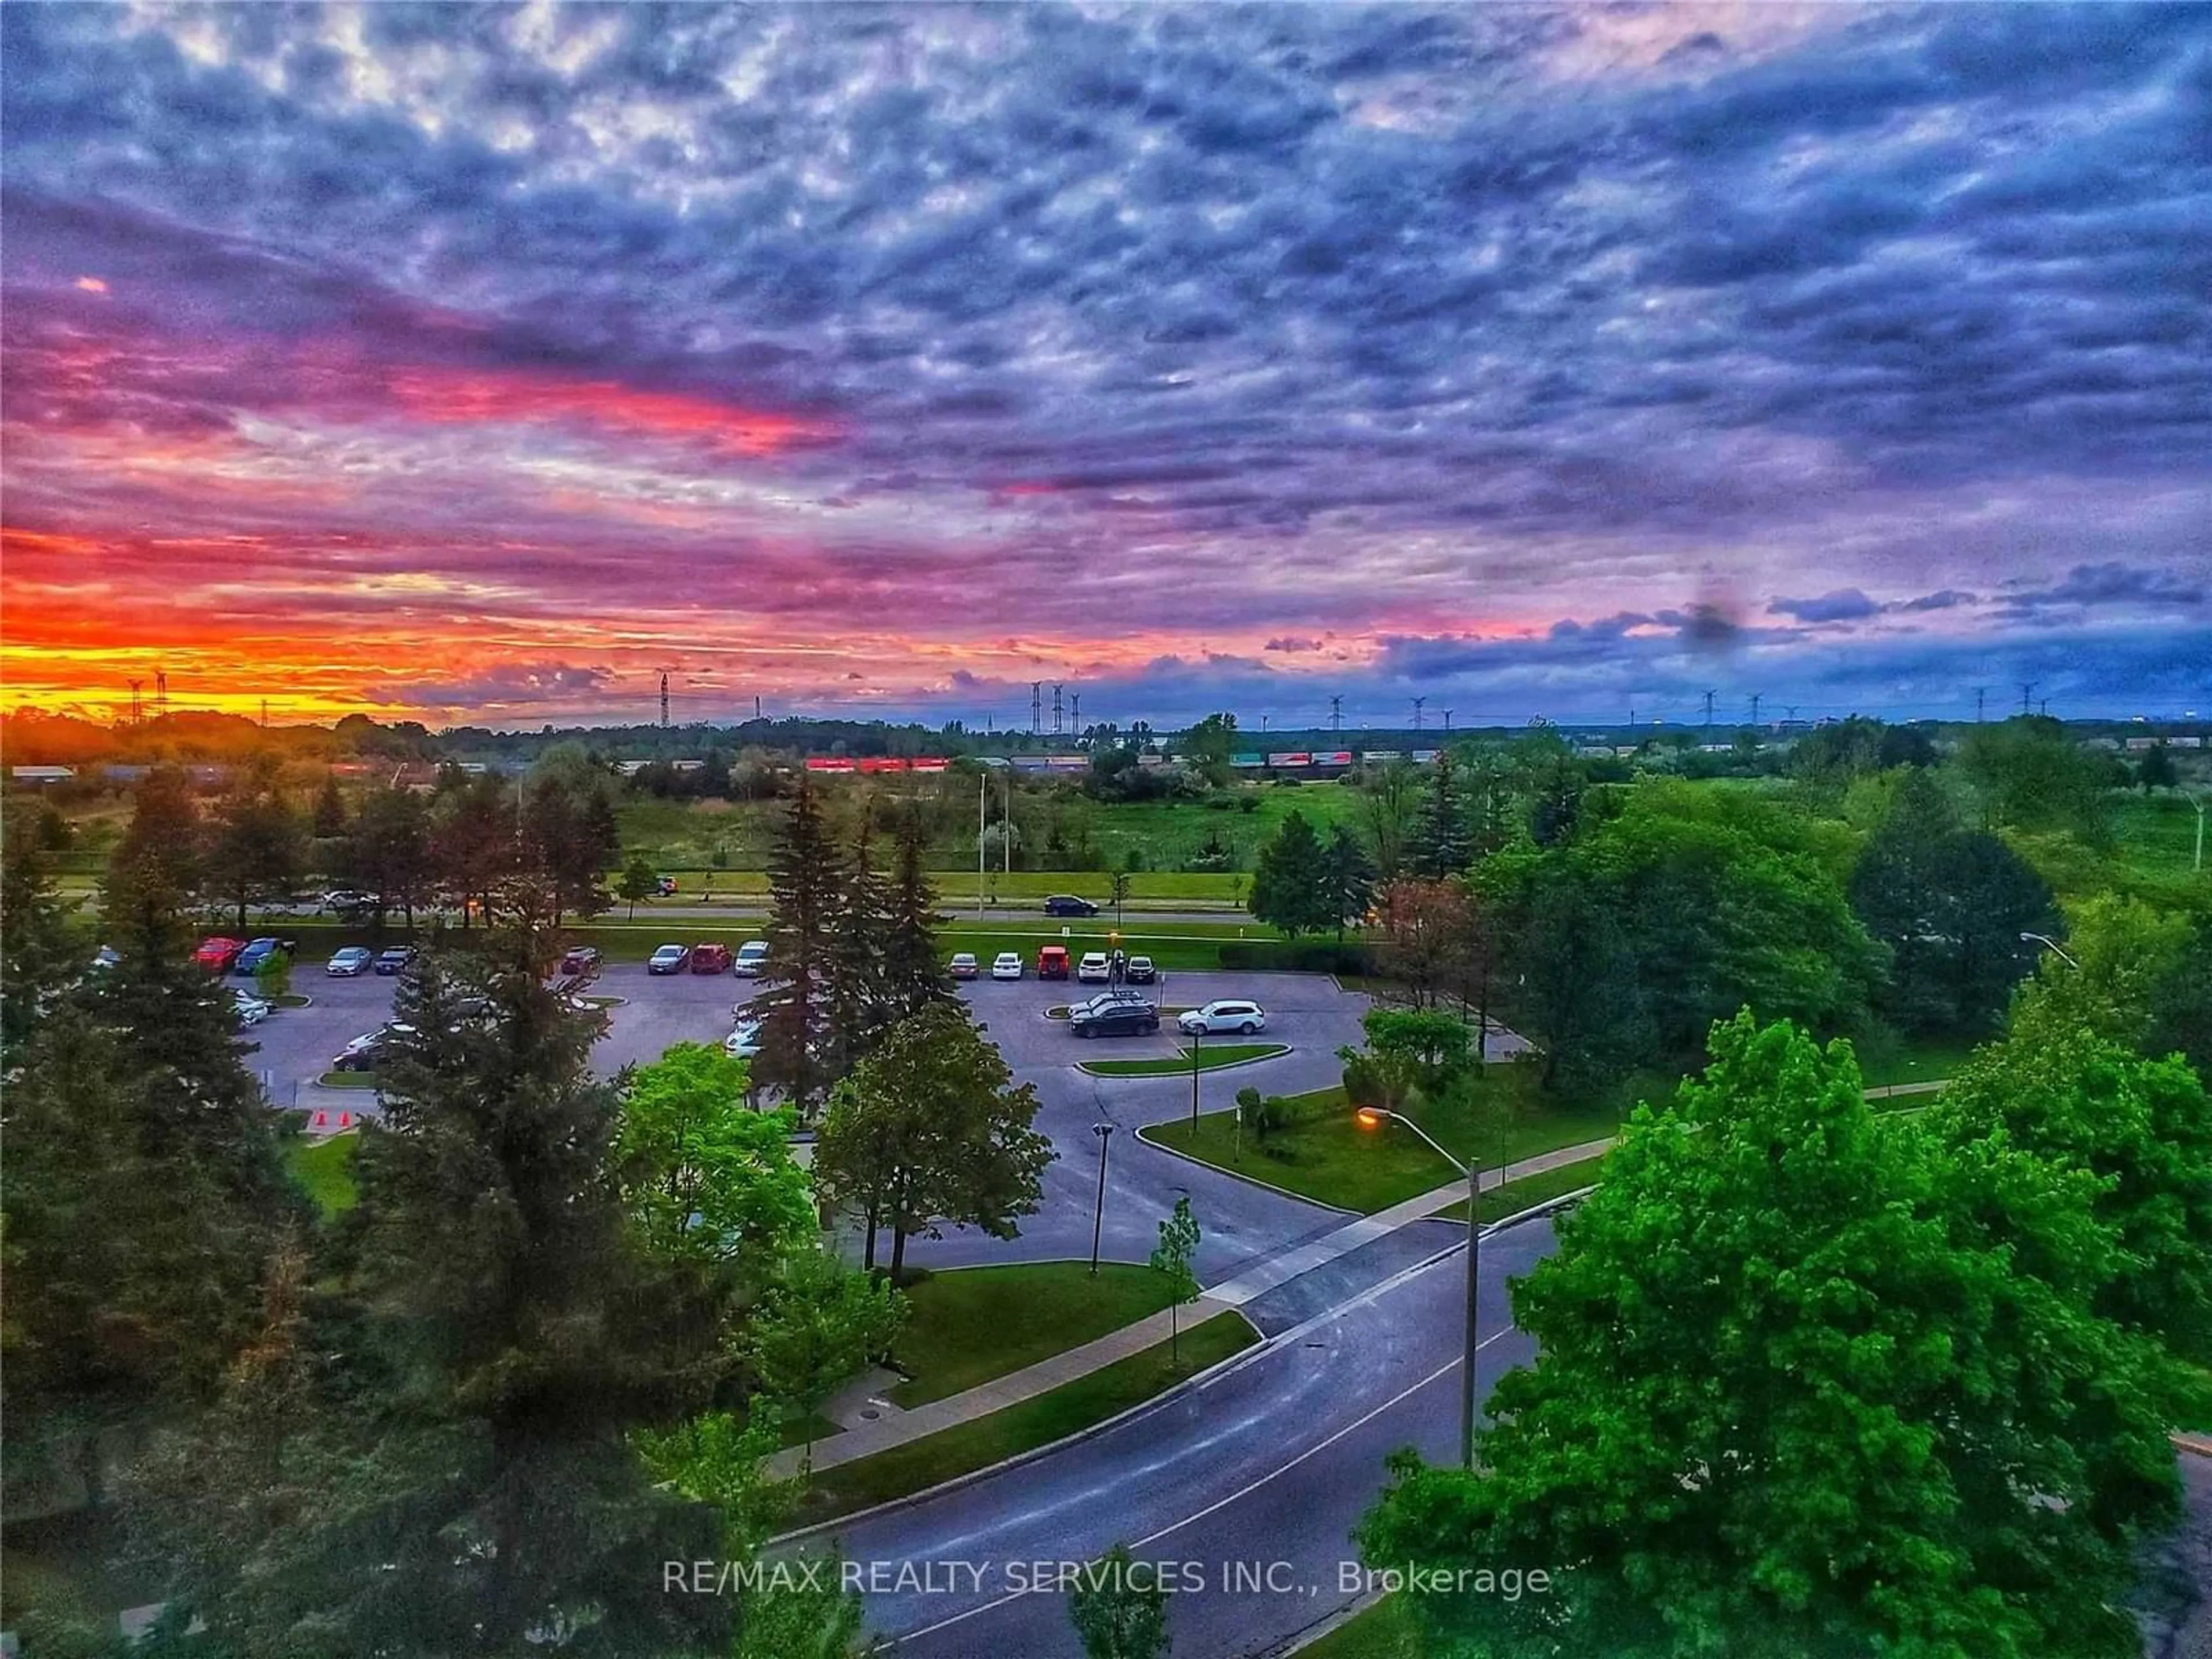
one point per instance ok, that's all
(1263, 1471)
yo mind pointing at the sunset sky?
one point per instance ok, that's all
(479, 364)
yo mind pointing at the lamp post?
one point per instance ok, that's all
(2045, 938)
(1373, 1117)
(1105, 1133)
(1197, 1038)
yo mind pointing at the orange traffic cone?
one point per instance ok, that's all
(345, 1120)
(322, 1120)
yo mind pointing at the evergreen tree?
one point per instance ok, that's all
(392, 850)
(327, 818)
(857, 994)
(1291, 880)
(932, 1130)
(807, 906)
(1442, 845)
(38, 959)
(2157, 771)
(257, 845)
(475, 839)
(1348, 879)
(914, 973)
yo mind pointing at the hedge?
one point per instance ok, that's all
(1296, 955)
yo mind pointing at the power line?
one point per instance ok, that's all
(1709, 713)
(2026, 692)
(1418, 701)
(1336, 713)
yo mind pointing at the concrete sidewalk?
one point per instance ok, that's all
(896, 1428)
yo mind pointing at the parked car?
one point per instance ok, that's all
(710, 958)
(216, 954)
(251, 1010)
(1067, 905)
(1114, 1017)
(668, 959)
(1244, 1017)
(257, 953)
(583, 959)
(1094, 969)
(365, 1053)
(1052, 962)
(353, 960)
(1005, 965)
(744, 1042)
(751, 959)
(1139, 970)
(395, 959)
(346, 901)
(963, 965)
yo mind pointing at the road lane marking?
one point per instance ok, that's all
(1245, 1490)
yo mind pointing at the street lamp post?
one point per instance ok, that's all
(2045, 938)
(1373, 1117)
(1197, 1037)
(1105, 1133)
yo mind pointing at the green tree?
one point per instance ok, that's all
(638, 881)
(327, 818)
(2156, 770)
(932, 1130)
(1424, 930)
(1117, 886)
(37, 959)
(390, 850)
(856, 994)
(1119, 1607)
(1209, 746)
(1951, 905)
(569, 830)
(706, 1179)
(1348, 881)
(807, 874)
(257, 845)
(1171, 1258)
(913, 975)
(2030, 774)
(818, 1325)
(475, 838)
(1391, 804)
(1432, 1049)
(1442, 844)
(1808, 1384)
(1290, 881)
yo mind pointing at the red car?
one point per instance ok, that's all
(216, 955)
(583, 959)
(710, 958)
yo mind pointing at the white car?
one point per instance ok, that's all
(1243, 1018)
(1007, 964)
(351, 962)
(744, 1042)
(251, 1010)
(751, 960)
(1093, 969)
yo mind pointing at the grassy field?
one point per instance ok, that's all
(324, 1170)
(1516, 1196)
(1331, 1160)
(1385, 1630)
(1209, 1060)
(1914, 1059)
(970, 1446)
(971, 1325)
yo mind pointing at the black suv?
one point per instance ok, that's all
(1114, 1017)
(1067, 905)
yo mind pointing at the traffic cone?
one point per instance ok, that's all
(345, 1120)
(322, 1120)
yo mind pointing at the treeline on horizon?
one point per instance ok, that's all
(32, 737)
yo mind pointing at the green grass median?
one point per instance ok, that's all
(324, 1170)
(1209, 1060)
(970, 1324)
(949, 1453)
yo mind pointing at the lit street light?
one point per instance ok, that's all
(2045, 939)
(1372, 1117)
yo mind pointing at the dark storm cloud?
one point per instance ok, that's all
(1844, 605)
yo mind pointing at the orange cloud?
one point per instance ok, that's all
(464, 398)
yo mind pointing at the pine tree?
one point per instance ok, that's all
(856, 994)
(1442, 845)
(1290, 882)
(327, 819)
(257, 845)
(37, 960)
(914, 974)
(806, 880)
(1348, 879)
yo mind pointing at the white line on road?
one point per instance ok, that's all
(1246, 1490)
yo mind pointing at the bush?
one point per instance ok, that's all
(1300, 956)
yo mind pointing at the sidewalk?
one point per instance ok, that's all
(896, 1427)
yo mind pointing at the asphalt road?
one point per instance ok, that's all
(1238, 1220)
(1264, 1470)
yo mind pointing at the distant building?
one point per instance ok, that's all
(41, 776)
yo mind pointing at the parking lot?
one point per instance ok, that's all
(297, 1045)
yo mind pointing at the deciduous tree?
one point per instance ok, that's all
(1172, 1259)
(1119, 1606)
(818, 1325)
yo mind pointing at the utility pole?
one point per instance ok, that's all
(1447, 719)
(1036, 706)
(135, 684)
(2027, 693)
(664, 699)
(1754, 707)
(1709, 713)
(1336, 713)
(982, 794)
(1418, 701)
(1105, 1133)
(161, 693)
(1981, 696)
(1075, 711)
(1057, 727)
(265, 711)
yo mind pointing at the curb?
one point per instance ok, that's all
(1233, 1175)
(1084, 1065)
(1196, 1379)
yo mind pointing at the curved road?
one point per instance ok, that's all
(1250, 1484)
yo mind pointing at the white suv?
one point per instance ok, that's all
(1244, 1017)
(1093, 969)
(751, 959)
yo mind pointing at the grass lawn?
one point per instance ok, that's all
(346, 1080)
(324, 1169)
(1385, 1630)
(1331, 1160)
(1073, 1406)
(974, 1324)
(1221, 1053)
(1913, 1059)
(1516, 1196)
